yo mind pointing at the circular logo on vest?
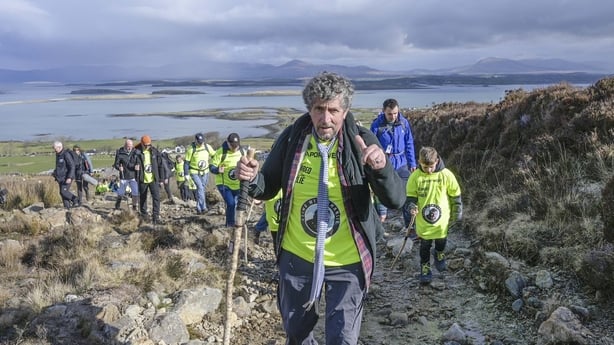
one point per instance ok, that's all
(431, 213)
(202, 165)
(148, 168)
(232, 174)
(309, 218)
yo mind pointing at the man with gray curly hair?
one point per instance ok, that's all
(325, 164)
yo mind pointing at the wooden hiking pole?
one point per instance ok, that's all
(249, 213)
(236, 245)
(407, 232)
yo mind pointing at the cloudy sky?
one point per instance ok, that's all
(388, 35)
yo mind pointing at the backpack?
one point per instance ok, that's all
(225, 151)
(207, 147)
(168, 161)
(88, 162)
(381, 129)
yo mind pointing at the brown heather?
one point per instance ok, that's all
(534, 169)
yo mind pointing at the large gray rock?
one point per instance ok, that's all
(192, 305)
(169, 328)
(563, 327)
(395, 244)
(514, 284)
(456, 334)
(543, 279)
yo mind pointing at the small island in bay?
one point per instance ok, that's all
(177, 92)
(266, 93)
(98, 92)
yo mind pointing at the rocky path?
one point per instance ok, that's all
(400, 310)
(454, 309)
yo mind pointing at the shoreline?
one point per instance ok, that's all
(281, 117)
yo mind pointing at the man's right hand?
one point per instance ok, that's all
(411, 208)
(247, 168)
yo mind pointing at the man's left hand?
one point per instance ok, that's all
(372, 155)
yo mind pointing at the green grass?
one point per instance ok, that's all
(34, 157)
(16, 148)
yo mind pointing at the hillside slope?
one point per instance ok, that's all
(537, 171)
(533, 263)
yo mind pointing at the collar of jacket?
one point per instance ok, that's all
(382, 119)
(351, 154)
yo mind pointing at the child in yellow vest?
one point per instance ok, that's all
(434, 198)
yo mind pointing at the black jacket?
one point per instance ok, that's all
(128, 161)
(385, 183)
(64, 166)
(159, 168)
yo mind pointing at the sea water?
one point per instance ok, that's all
(48, 111)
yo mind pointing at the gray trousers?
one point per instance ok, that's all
(344, 293)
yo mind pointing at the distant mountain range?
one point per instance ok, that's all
(292, 70)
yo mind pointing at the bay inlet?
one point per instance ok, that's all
(49, 111)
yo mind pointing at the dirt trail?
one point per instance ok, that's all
(400, 310)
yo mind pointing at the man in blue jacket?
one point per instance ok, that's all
(394, 134)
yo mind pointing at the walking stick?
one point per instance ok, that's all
(239, 222)
(407, 232)
(249, 213)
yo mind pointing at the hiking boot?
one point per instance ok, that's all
(118, 202)
(156, 220)
(426, 276)
(76, 202)
(440, 260)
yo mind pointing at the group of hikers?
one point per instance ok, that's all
(72, 165)
(143, 170)
(316, 183)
